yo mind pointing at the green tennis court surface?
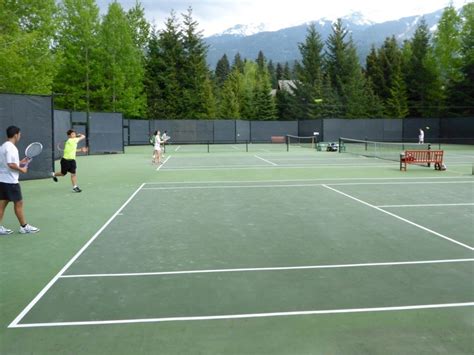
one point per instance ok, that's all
(244, 251)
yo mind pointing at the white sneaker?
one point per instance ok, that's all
(28, 229)
(5, 231)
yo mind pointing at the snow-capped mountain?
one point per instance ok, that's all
(357, 18)
(353, 18)
(282, 46)
(244, 30)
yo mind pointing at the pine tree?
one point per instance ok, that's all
(229, 107)
(287, 72)
(140, 27)
(164, 62)
(194, 75)
(279, 72)
(27, 28)
(346, 77)
(396, 104)
(238, 63)
(222, 71)
(374, 71)
(121, 65)
(264, 103)
(272, 73)
(422, 78)
(78, 79)
(462, 93)
(309, 76)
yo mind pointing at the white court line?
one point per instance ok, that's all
(288, 166)
(430, 205)
(401, 218)
(265, 160)
(251, 315)
(177, 148)
(300, 180)
(158, 168)
(282, 268)
(15, 322)
(204, 187)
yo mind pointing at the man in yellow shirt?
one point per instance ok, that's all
(68, 161)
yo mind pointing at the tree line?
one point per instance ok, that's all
(118, 62)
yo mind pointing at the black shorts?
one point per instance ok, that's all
(10, 192)
(68, 166)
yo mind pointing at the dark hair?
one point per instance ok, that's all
(12, 130)
(155, 133)
(70, 131)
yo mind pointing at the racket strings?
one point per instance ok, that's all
(33, 150)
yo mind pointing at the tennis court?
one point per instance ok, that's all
(244, 251)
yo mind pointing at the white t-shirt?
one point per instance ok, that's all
(9, 155)
(157, 142)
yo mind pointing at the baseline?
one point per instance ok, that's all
(251, 315)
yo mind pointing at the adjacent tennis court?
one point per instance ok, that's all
(247, 251)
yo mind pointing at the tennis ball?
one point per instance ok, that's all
(318, 100)
(427, 127)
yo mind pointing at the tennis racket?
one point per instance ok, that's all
(33, 150)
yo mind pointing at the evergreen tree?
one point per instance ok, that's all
(27, 28)
(78, 78)
(308, 83)
(194, 76)
(140, 27)
(272, 73)
(462, 93)
(247, 93)
(374, 71)
(396, 104)
(121, 65)
(384, 71)
(447, 51)
(422, 78)
(287, 72)
(164, 62)
(229, 107)
(222, 71)
(279, 72)
(345, 74)
(264, 103)
(238, 63)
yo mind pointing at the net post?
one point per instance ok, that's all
(208, 146)
(340, 145)
(287, 143)
(247, 146)
(366, 143)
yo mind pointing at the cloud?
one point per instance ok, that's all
(217, 15)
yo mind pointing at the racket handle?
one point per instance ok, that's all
(25, 164)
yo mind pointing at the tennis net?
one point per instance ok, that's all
(381, 150)
(303, 142)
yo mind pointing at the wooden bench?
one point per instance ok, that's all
(278, 139)
(422, 157)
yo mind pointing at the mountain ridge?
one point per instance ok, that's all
(281, 46)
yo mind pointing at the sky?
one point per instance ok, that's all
(215, 16)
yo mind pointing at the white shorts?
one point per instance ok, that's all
(157, 148)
